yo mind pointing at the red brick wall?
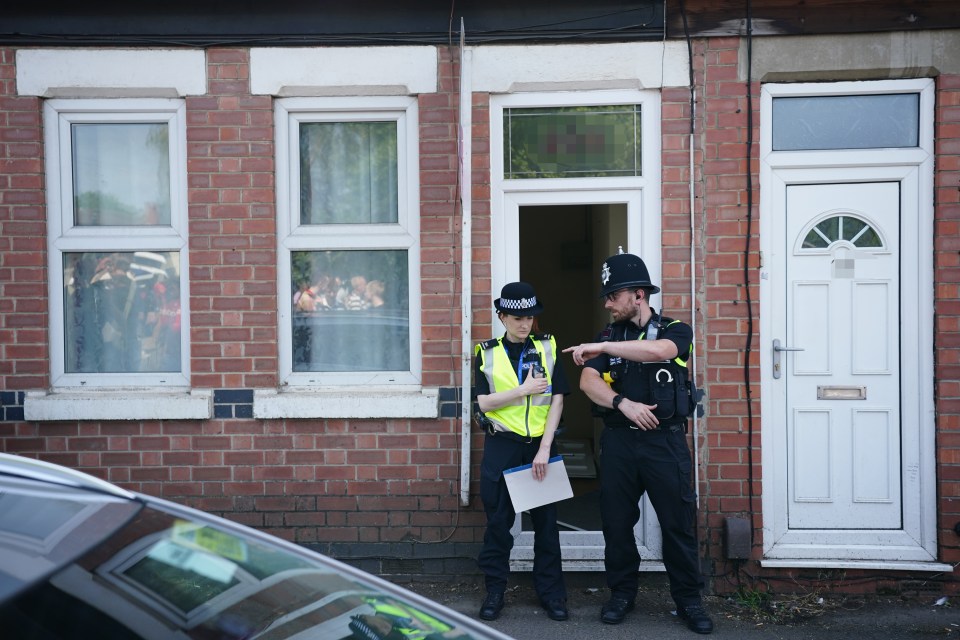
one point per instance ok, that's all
(722, 309)
(946, 264)
(23, 237)
(233, 243)
(440, 226)
(733, 428)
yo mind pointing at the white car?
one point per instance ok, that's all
(81, 558)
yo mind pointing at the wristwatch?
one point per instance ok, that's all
(616, 401)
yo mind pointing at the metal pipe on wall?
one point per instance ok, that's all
(466, 241)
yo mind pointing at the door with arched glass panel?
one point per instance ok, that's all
(843, 386)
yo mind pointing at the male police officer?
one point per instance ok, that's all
(636, 374)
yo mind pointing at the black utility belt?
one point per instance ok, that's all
(510, 435)
(676, 426)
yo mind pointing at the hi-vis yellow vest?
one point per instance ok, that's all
(526, 416)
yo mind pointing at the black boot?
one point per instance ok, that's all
(492, 605)
(615, 610)
(696, 618)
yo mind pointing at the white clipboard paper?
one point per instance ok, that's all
(526, 492)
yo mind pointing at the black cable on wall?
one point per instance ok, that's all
(746, 268)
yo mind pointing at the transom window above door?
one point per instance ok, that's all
(808, 123)
(572, 142)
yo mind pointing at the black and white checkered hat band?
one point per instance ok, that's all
(518, 305)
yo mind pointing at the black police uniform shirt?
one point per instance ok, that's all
(631, 386)
(558, 380)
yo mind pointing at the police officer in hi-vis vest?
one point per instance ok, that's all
(636, 376)
(518, 389)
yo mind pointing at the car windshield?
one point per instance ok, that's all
(72, 562)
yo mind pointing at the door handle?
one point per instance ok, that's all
(777, 350)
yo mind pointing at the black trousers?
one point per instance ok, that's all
(500, 453)
(656, 462)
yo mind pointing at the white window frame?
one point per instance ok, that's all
(293, 236)
(66, 237)
(640, 193)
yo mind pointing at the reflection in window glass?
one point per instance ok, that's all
(350, 310)
(121, 174)
(572, 142)
(31, 525)
(846, 122)
(187, 578)
(348, 172)
(121, 312)
(842, 228)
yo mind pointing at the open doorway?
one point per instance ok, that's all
(561, 249)
(557, 240)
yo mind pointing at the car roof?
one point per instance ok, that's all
(23, 467)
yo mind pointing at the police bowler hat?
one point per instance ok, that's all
(518, 299)
(622, 271)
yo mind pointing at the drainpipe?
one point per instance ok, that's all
(466, 241)
(693, 291)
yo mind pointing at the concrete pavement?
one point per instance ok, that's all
(860, 617)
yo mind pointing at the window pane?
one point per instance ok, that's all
(572, 142)
(122, 312)
(350, 311)
(842, 227)
(846, 122)
(348, 172)
(121, 174)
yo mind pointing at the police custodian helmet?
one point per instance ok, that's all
(622, 271)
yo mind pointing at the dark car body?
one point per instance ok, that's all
(81, 558)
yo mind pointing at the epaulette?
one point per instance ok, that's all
(542, 336)
(489, 344)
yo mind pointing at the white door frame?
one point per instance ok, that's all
(582, 551)
(506, 196)
(915, 546)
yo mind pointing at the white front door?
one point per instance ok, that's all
(846, 452)
(846, 331)
(842, 410)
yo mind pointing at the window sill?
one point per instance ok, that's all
(344, 403)
(115, 404)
